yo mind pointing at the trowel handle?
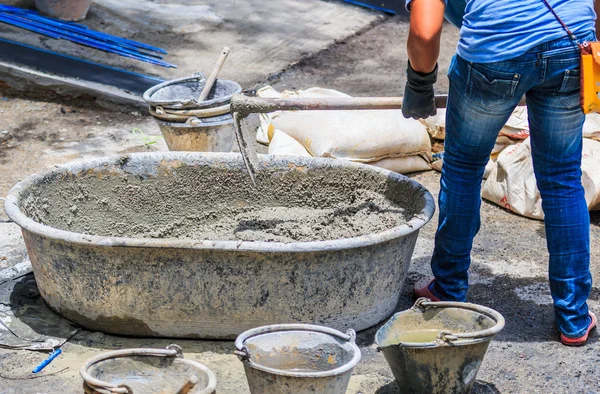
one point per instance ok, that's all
(249, 105)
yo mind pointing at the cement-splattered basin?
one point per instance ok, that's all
(120, 244)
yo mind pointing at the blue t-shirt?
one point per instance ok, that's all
(496, 30)
(455, 11)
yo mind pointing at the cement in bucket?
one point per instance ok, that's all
(297, 358)
(183, 93)
(438, 347)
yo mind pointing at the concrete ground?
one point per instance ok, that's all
(264, 38)
(509, 255)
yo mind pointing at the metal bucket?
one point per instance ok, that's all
(183, 93)
(206, 135)
(135, 371)
(438, 347)
(67, 10)
(297, 358)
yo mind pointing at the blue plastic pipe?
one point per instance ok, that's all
(80, 34)
(47, 361)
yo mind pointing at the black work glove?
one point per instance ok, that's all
(419, 99)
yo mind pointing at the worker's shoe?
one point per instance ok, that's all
(424, 288)
(582, 340)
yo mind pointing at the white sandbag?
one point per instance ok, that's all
(364, 136)
(511, 184)
(265, 131)
(516, 129)
(283, 144)
(590, 167)
(369, 135)
(404, 165)
(517, 126)
(436, 125)
(502, 143)
(591, 126)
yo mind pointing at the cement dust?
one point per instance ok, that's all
(205, 203)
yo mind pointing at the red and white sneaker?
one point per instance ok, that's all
(582, 340)
(421, 289)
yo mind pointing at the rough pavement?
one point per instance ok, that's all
(509, 256)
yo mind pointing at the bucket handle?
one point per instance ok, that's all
(105, 387)
(448, 336)
(244, 355)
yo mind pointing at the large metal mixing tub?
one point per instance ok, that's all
(212, 289)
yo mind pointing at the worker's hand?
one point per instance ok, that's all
(419, 99)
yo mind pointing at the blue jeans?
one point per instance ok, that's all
(480, 101)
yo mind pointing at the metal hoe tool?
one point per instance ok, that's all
(242, 106)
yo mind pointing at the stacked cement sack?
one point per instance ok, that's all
(382, 138)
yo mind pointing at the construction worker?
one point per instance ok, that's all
(508, 49)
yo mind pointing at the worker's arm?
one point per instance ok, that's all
(426, 21)
(597, 9)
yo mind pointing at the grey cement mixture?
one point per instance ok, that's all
(205, 203)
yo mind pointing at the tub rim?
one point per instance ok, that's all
(14, 212)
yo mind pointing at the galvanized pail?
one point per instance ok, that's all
(135, 371)
(297, 358)
(203, 135)
(438, 347)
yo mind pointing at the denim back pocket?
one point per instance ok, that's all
(569, 90)
(491, 88)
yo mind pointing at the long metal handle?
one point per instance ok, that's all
(248, 105)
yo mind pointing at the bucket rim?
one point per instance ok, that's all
(448, 338)
(13, 210)
(176, 104)
(185, 125)
(171, 351)
(349, 337)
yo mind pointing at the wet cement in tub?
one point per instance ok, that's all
(218, 203)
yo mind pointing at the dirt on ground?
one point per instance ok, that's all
(263, 37)
(508, 273)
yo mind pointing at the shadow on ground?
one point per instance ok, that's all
(35, 317)
(480, 387)
(526, 321)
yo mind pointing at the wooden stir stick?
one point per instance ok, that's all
(213, 75)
